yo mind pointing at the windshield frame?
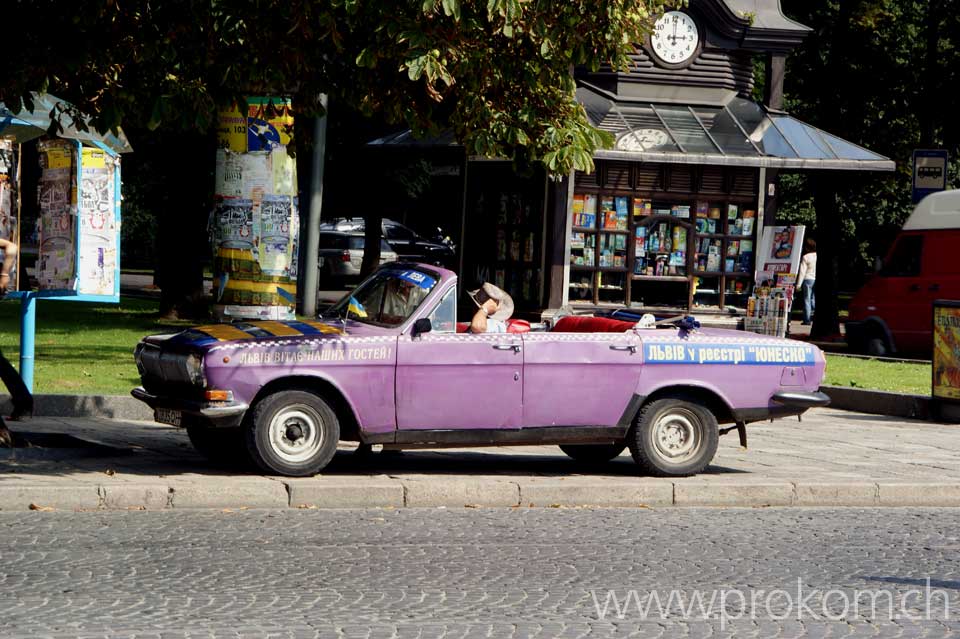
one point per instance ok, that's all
(339, 309)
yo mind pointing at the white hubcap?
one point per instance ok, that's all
(676, 435)
(296, 433)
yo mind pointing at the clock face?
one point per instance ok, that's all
(642, 140)
(675, 38)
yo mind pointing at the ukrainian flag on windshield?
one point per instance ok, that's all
(356, 308)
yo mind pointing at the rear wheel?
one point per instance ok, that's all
(877, 345)
(593, 453)
(293, 433)
(674, 437)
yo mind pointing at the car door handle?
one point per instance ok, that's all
(934, 287)
(914, 288)
(617, 347)
(507, 347)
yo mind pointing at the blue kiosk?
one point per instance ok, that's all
(78, 225)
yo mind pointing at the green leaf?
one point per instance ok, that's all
(452, 8)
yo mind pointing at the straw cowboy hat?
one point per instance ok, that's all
(490, 292)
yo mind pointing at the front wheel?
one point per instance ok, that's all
(593, 453)
(293, 433)
(674, 437)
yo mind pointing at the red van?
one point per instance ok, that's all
(893, 312)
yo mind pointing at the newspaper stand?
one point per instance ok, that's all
(79, 219)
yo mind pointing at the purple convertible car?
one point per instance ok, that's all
(389, 364)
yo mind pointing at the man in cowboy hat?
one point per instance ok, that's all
(495, 308)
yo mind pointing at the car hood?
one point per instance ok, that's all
(211, 335)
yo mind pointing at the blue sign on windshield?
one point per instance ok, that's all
(414, 277)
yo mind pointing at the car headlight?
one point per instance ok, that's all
(194, 368)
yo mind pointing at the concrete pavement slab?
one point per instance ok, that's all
(323, 492)
(585, 492)
(230, 493)
(695, 492)
(919, 494)
(836, 494)
(69, 496)
(461, 491)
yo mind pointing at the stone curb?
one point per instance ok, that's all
(106, 406)
(393, 493)
(879, 402)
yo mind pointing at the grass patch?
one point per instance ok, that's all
(878, 375)
(84, 348)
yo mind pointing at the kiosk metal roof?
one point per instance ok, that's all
(740, 133)
(25, 125)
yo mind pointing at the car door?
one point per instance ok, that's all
(403, 241)
(450, 381)
(579, 379)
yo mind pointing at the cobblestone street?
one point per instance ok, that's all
(474, 572)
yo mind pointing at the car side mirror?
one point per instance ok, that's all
(421, 326)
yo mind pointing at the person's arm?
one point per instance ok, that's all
(479, 322)
(802, 271)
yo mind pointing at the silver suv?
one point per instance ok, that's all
(341, 255)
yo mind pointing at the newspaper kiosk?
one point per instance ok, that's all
(78, 226)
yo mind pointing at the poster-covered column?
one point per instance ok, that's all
(9, 194)
(255, 222)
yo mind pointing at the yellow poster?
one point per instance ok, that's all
(946, 351)
(94, 159)
(57, 156)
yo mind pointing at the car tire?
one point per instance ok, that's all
(674, 437)
(877, 346)
(221, 446)
(593, 453)
(293, 433)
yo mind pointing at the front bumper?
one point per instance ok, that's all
(783, 404)
(801, 399)
(196, 413)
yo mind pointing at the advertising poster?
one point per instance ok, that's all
(264, 125)
(946, 350)
(276, 244)
(780, 249)
(8, 212)
(56, 263)
(98, 229)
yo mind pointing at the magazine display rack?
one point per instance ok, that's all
(638, 251)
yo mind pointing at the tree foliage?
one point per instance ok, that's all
(498, 72)
(879, 73)
(866, 73)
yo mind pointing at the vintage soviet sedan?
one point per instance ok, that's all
(389, 364)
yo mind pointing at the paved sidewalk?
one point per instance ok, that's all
(832, 458)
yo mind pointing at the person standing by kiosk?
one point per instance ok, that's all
(19, 393)
(807, 277)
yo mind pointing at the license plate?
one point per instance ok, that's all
(168, 416)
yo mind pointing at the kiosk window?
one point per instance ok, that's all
(905, 259)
